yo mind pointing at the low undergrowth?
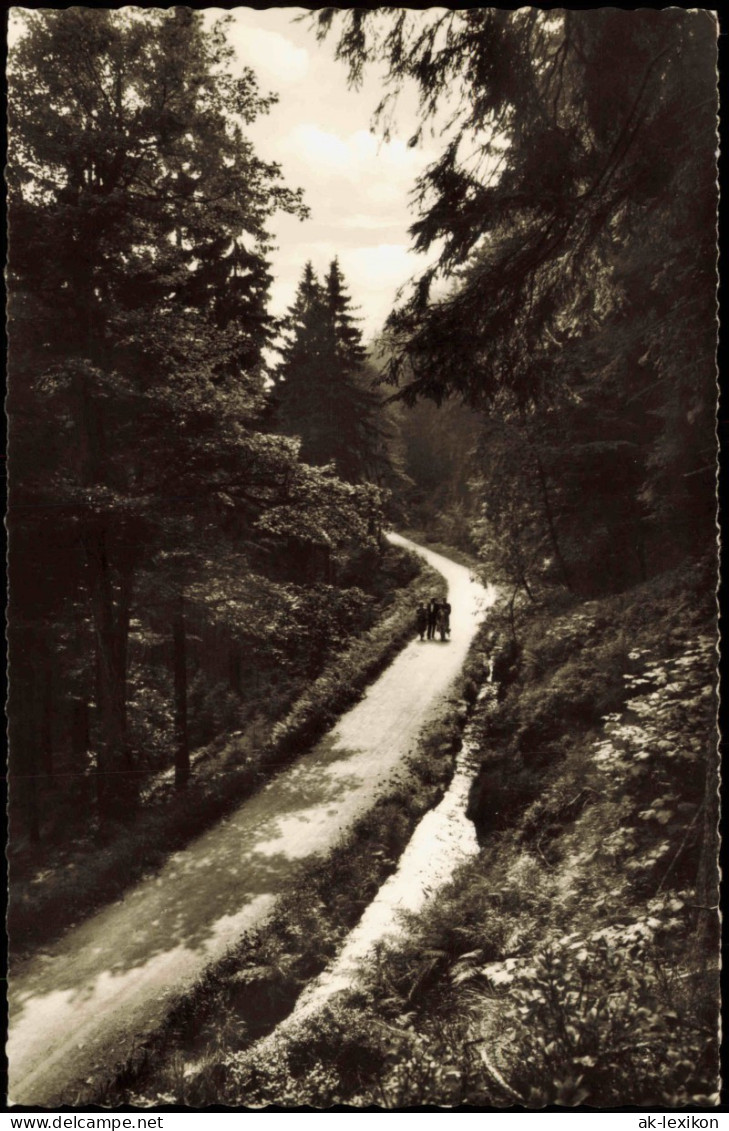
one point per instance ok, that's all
(96, 871)
(574, 961)
(189, 1061)
(459, 554)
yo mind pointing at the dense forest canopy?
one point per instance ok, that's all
(573, 207)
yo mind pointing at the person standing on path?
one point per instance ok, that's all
(421, 619)
(432, 616)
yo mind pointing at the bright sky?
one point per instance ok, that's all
(355, 184)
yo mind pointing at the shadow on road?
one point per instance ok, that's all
(256, 851)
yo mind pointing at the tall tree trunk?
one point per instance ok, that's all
(90, 425)
(116, 787)
(46, 710)
(640, 552)
(707, 880)
(99, 737)
(33, 800)
(235, 668)
(179, 648)
(526, 585)
(31, 761)
(549, 516)
(79, 733)
(329, 569)
(24, 807)
(512, 624)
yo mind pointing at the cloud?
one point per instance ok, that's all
(361, 222)
(325, 150)
(373, 274)
(356, 184)
(354, 156)
(272, 56)
(365, 268)
(372, 268)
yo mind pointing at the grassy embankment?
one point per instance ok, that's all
(44, 902)
(258, 984)
(574, 961)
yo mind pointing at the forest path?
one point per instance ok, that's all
(81, 1006)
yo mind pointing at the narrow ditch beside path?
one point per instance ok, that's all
(443, 839)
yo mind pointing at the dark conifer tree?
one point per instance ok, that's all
(322, 388)
(343, 325)
(298, 384)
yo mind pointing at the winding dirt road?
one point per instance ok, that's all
(79, 1008)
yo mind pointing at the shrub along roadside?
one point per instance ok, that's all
(573, 961)
(41, 908)
(256, 986)
(455, 553)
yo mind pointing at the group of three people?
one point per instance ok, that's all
(433, 616)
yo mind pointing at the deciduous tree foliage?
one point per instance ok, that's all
(138, 314)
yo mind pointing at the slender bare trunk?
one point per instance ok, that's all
(527, 587)
(548, 513)
(512, 623)
(46, 711)
(640, 552)
(111, 629)
(179, 647)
